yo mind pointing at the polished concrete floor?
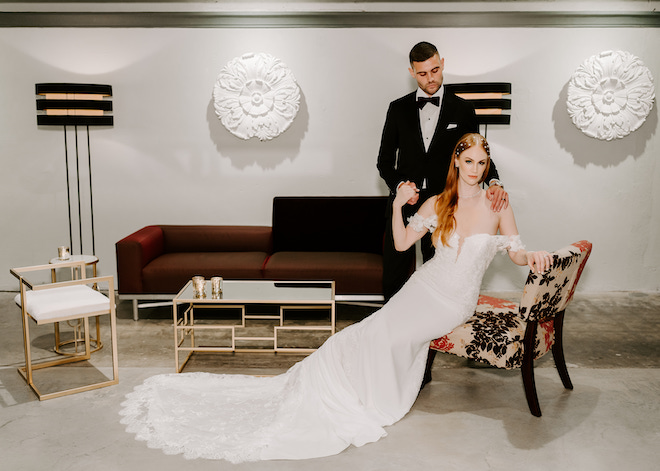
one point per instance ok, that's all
(468, 418)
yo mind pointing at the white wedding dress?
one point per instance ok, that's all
(361, 379)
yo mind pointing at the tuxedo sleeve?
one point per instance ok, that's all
(492, 172)
(387, 154)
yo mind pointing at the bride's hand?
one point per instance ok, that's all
(540, 261)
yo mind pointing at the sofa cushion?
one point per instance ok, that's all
(329, 223)
(353, 273)
(217, 239)
(170, 272)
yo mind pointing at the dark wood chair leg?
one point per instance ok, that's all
(528, 370)
(558, 351)
(429, 364)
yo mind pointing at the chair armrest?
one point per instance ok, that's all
(18, 272)
(82, 281)
(80, 265)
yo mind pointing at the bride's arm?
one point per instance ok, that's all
(406, 236)
(538, 261)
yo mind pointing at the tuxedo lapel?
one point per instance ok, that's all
(444, 120)
(413, 118)
(446, 112)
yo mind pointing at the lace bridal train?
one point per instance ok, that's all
(362, 379)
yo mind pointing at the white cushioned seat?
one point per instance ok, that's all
(68, 302)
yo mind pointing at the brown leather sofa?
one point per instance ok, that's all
(311, 238)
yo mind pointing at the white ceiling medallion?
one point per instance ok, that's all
(256, 95)
(610, 95)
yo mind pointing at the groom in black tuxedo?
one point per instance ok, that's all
(420, 132)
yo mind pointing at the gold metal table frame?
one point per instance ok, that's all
(237, 294)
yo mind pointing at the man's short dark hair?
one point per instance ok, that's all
(422, 52)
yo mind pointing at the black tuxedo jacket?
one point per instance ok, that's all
(402, 155)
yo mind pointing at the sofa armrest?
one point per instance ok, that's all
(134, 252)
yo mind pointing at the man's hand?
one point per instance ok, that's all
(404, 194)
(498, 197)
(415, 197)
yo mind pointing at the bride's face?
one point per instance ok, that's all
(472, 165)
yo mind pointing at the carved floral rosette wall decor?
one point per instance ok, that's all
(610, 95)
(256, 95)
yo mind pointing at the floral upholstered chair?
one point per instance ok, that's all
(509, 335)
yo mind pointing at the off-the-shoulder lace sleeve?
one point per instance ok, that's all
(515, 243)
(419, 223)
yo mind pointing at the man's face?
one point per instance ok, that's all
(428, 74)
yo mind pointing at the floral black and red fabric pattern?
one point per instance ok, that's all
(494, 335)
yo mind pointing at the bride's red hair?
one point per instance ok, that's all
(445, 205)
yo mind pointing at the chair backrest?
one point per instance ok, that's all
(549, 293)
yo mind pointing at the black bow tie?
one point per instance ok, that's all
(421, 101)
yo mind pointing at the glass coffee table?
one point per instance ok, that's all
(189, 314)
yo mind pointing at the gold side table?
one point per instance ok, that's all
(78, 335)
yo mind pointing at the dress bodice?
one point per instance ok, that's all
(455, 271)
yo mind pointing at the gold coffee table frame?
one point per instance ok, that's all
(237, 294)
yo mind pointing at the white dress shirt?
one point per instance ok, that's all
(428, 119)
(428, 116)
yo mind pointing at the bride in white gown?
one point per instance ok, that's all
(363, 378)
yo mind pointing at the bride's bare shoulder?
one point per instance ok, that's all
(428, 207)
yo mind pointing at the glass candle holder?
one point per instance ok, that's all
(199, 287)
(63, 253)
(216, 287)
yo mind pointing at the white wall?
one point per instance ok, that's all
(169, 160)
